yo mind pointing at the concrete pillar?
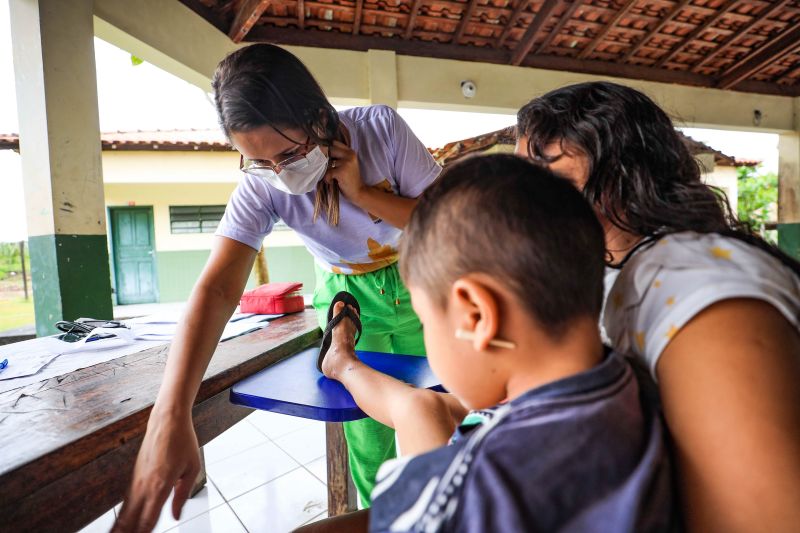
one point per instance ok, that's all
(789, 193)
(55, 77)
(382, 67)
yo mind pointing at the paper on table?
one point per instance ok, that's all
(29, 357)
(164, 331)
(38, 359)
(43, 358)
(175, 317)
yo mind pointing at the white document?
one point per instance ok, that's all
(43, 358)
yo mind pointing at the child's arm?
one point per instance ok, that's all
(423, 419)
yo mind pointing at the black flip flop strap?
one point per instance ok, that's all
(346, 312)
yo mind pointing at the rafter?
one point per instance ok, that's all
(776, 49)
(247, 16)
(301, 14)
(485, 54)
(562, 20)
(692, 35)
(526, 43)
(512, 21)
(412, 19)
(466, 15)
(677, 8)
(789, 74)
(741, 32)
(357, 21)
(587, 51)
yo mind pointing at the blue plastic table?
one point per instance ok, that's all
(295, 387)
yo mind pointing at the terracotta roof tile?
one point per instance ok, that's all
(165, 140)
(214, 140)
(452, 152)
(696, 42)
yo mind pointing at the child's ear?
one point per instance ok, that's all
(476, 309)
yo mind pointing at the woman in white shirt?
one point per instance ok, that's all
(712, 310)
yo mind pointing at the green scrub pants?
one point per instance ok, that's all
(390, 325)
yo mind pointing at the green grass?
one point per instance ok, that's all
(15, 313)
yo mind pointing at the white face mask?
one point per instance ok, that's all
(301, 176)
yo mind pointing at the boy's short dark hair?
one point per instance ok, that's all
(505, 217)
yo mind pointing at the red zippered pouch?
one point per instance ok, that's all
(273, 299)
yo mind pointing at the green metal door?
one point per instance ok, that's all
(134, 259)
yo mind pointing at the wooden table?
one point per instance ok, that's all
(68, 444)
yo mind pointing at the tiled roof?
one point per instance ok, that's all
(165, 140)
(214, 140)
(454, 151)
(749, 45)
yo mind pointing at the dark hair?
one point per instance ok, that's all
(264, 85)
(642, 177)
(516, 222)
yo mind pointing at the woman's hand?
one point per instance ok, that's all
(169, 458)
(343, 169)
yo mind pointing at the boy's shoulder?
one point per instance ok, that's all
(540, 460)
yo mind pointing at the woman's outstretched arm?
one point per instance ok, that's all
(169, 457)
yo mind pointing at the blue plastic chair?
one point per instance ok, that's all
(295, 387)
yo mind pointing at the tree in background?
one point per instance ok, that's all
(10, 264)
(758, 199)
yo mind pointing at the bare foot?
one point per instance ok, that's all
(341, 355)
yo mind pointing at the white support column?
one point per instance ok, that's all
(789, 187)
(382, 66)
(53, 50)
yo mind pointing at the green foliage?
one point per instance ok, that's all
(758, 198)
(135, 61)
(10, 264)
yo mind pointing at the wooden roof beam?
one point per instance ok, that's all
(786, 43)
(692, 35)
(562, 20)
(486, 54)
(587, 51)
(301, 14)
(789, 74)
(247, 16)
(357, 21)
(412, 19)
(512, 20)
(677, 8)
(726, 43)
(466, 15)
(526, 43)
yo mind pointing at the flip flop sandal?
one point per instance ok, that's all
(327, 336)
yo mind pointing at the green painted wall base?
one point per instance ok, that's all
(178, 270)
(70, 278)
(789, 238)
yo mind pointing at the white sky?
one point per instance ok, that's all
(144, 97)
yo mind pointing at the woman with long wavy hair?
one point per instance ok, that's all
(709, 308)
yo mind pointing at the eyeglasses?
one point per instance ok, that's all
(261, 169)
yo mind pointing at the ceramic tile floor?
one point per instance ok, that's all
(265, 474)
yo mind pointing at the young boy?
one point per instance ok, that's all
(504, 262)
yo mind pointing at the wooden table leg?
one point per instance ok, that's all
(341, 492)
(200, 482)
